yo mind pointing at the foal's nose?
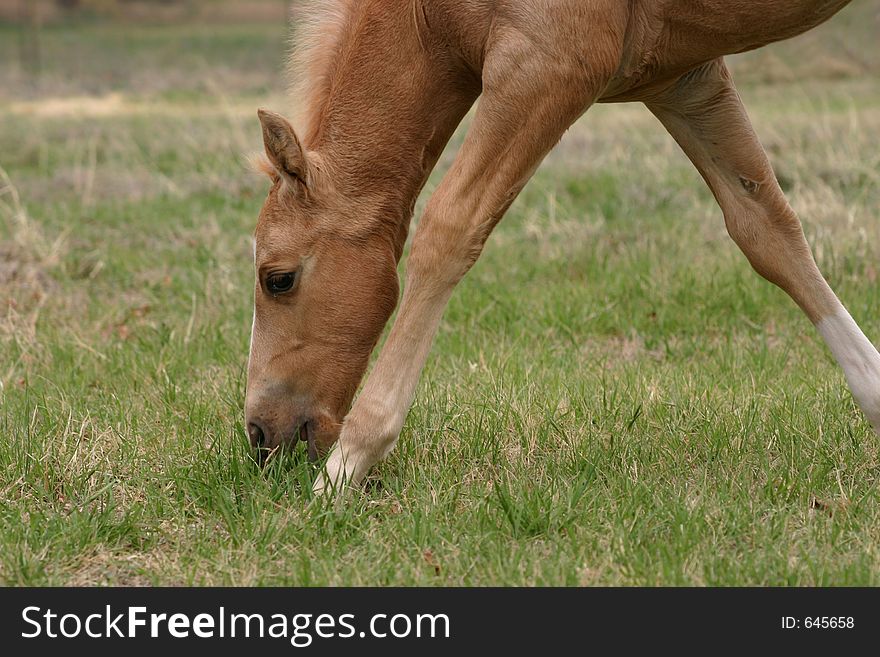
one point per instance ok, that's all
(256, 434)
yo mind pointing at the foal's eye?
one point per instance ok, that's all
(280, 283)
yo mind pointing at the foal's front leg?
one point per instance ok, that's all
(526, 106)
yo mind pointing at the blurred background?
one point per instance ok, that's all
(100, 45)
(95, 46)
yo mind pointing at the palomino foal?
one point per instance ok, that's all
(385, 84)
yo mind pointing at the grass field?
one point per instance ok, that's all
(614, 396)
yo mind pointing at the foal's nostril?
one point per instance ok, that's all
(258, 438)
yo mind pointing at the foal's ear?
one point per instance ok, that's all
(282, 147)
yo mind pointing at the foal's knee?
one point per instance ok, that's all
(444, 248)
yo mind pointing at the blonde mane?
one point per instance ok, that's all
(320, 28)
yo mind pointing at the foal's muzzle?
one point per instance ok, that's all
(256, 434)
(267, 442)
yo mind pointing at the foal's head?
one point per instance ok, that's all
(324, 290)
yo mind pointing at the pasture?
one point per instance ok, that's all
(614, 397)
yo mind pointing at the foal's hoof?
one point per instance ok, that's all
(341, 472)
(332, 479)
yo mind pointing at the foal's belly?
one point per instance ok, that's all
(667, 38)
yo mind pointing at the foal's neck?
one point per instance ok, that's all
(390, 102)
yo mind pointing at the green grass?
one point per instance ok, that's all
(614, 397)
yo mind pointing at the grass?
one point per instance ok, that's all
(613, 398)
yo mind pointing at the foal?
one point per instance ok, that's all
(385, 84)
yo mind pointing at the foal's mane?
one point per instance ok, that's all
(320, 28)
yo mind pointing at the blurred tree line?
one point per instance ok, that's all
(29, 16)
(24, 12)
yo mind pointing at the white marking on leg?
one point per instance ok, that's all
(858, 358)
(338, 471)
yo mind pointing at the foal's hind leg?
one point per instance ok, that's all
(704, 114)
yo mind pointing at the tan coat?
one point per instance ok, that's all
(384, 83)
